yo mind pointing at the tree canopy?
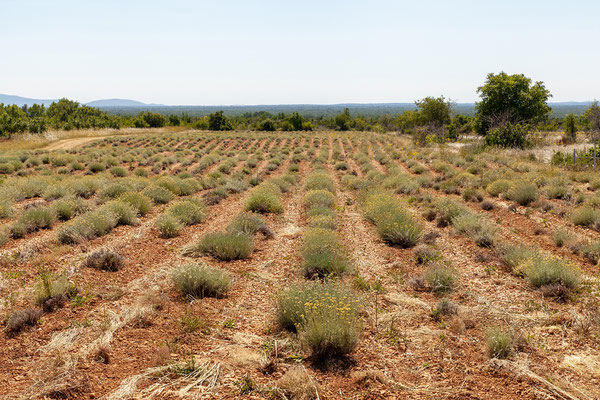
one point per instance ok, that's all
(510, 99)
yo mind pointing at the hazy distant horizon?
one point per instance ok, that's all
(269, 52)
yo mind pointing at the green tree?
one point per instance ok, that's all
(510, 99)
(343, 120)
(591, 118)
(434, 111)
(152, 120)
(219, 122)
(12, 120)
(570, 128)
(296, 120)
(267, 125)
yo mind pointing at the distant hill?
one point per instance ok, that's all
(21, 101)
(116, 103)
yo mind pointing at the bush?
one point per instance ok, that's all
(187, 212)
(96, 167)
(499, 343)
(523, 193)
(471, 225)
(319, 198)
(196, 280)
(399, 229)
(591, 251)
(52, 291)
(118, 172)
(265, 199)
(585, 216)
(323, 254)
(35, 218)
(126, 214)
(87, 226)
(551, 271)
(105, 260)
(139, 201)
(168, 226)
(323, 221)
(440, 278)
(498, 187)
(508, 135)
(17, 321)
(158, 194)
(325, 314)
(247, 223)
(562, 237)
(223, 246)
(538, 268)
(319, 181)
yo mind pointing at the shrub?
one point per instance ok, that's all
(471, 225)
(52, 291)
(508, 135)
(114, 190)
(550, 271)
(472, 194)
(319, 198)
(126, 214)
(36, 218)
(499, 343)
(17, 321)
(558, 191)
(195, 280)
(399, 229)
(562, 237)
(440, 278)
(105, 260)
(139, 201)
(141, 172)
(118, 171)
(323, 254)
(319, 181)
(326, 315)
(523, 193)
(168, 226)
(585, 216)
(265, 199)
(247, 223)
(158, 194)
(425, 254)
(188, 212)
(66, 208)
(498, 187)
(96, 167)
(591, 251)
(447, 210)
(87, 226)
(323, 221)
(223, 246)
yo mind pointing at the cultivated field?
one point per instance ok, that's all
(296, 266)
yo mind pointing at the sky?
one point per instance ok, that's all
(225, 52)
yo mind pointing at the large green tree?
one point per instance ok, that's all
(510, 99)
(434, 111)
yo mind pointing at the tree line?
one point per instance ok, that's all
(510, 108)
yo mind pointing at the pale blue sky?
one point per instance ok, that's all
(269, 52)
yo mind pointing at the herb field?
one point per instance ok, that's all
(313, 265)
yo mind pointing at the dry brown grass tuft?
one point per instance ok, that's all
(297, 384)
